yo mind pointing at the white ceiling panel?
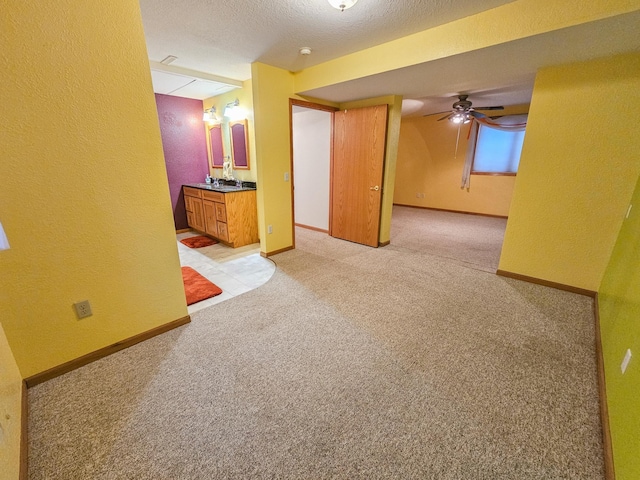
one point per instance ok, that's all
(167, 83)
(201, 89)
(182, 82)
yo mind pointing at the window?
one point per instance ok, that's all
(498, 149)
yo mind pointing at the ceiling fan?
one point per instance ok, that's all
(462, 111)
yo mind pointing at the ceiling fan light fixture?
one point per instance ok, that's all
(460, 117)
(342, 5)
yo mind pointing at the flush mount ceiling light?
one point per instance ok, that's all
(342, 5)
(305, 51)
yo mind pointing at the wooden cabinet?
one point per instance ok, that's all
(230, 217)
(210, 223)
(193, 205)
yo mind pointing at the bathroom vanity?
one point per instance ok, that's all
(227, 213)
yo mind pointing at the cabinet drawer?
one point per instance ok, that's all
(223, 233)
(213, 196)
(221, 212)
(192, 192)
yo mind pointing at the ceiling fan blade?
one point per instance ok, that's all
(489, 108)
(477, 114)
(436, 113)
(446, 116)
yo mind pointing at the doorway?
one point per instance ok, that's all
(311, 144)
(337, 161)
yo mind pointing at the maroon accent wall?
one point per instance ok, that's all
(185, 147)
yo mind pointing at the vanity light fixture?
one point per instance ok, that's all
(233, 111)
(210, 116)
(342, 5)
(4, 242)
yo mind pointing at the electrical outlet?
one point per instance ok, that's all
(286, 176)
(625, 361)
(83, 309)
(269, 228)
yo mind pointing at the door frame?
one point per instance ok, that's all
(313, 106)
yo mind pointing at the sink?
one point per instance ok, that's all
(221, 188)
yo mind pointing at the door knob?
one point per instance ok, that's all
(376, 188)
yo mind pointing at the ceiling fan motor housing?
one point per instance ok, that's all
(462, 105)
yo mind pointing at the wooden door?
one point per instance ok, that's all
(359, 137)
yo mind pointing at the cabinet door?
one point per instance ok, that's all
(223, 233)
(210, 223)
(197, 215)
(221, 212)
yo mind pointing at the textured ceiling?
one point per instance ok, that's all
(223, 37)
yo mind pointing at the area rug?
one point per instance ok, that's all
(196, 287)
(198, 242)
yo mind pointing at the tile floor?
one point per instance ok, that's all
(234, 270)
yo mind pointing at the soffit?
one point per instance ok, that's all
(499, 75)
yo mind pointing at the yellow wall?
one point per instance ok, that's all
(428, 164)
(245, 96)
(10, 411)
(509, 22)
(272, 88)
(579, 164)
(619, 297)
(84, 198)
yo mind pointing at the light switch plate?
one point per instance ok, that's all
(626, 360)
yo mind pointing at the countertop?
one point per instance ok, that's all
(222, 188)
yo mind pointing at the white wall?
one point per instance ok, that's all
(311, 162)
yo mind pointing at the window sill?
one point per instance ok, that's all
(496, 174)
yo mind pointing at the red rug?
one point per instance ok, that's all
(198, 242)
(196, 287)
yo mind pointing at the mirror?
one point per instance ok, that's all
(239, 144)
(217, 150)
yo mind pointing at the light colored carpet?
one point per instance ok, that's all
(471, 240)
(351, 362)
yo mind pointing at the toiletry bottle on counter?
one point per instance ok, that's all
(208, 178)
